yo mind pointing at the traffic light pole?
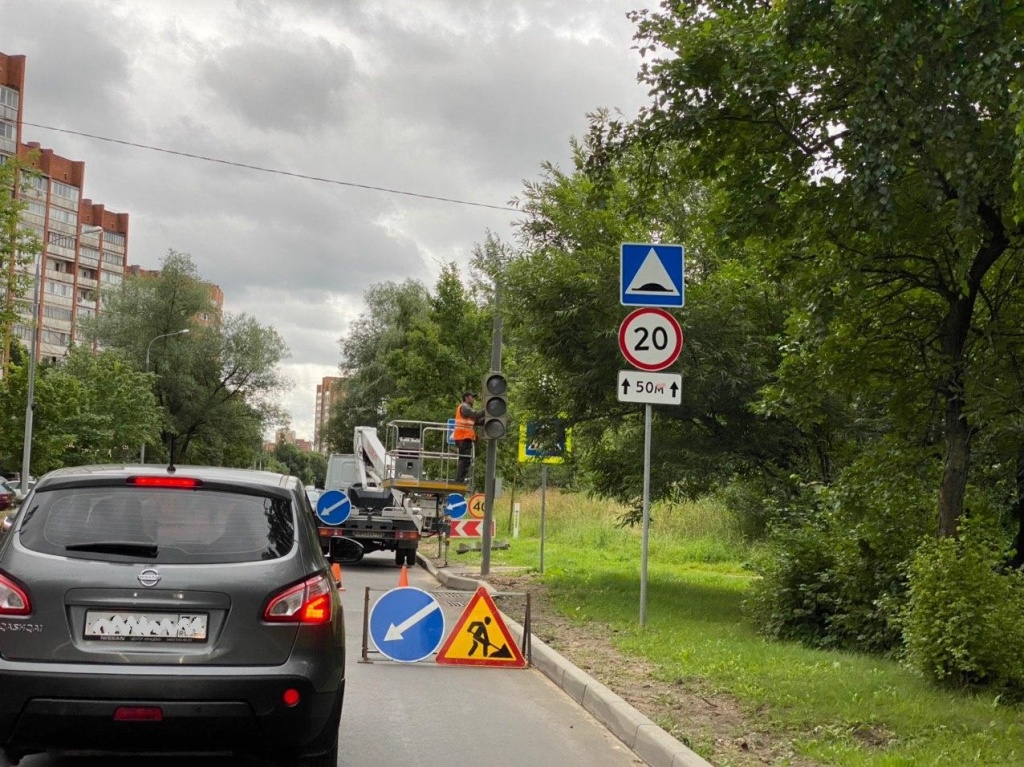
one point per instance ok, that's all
(492, 446)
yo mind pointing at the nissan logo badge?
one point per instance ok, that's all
(149, 577)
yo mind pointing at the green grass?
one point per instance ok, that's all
(834, 708)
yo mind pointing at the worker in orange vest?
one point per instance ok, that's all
(466, 420)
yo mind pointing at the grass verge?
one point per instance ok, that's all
(833, 708)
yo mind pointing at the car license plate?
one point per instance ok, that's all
(145, 627)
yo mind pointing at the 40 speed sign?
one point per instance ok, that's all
(650, 339)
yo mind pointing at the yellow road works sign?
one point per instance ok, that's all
(481, 638)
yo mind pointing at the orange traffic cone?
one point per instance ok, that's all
(336, 572)
(403, 579)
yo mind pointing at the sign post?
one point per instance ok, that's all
(531, 449)
(650, 339)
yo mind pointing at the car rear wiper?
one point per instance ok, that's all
(148, 550)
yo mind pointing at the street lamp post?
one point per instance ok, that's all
(142, 450)
(30, 401)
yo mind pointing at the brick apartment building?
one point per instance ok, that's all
(328, 391)
(85, 245)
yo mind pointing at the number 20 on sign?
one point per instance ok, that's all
(650, 339)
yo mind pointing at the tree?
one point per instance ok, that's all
(217, 385)
(311, 468)
(19, 247)
(871, 147)
(392, 311)
(90, 408)
(563, 314)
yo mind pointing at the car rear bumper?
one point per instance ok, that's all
(230, 712)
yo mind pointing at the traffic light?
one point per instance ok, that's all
(495, 405)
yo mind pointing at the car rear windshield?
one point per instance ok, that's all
(160, 525)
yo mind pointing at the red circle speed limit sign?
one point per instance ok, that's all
(650, 339)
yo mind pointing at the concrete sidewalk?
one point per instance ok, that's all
(648, 741)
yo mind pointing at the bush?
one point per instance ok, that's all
(834, 574)
(964, 621)
(796, 596)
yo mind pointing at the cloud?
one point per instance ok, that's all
(438, 98)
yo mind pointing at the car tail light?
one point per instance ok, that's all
(13, 599)
(406, 535)
(178, 482)
(327, 532)
(138, 714)
(308, 602)
(291, 697)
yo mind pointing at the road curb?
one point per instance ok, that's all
(643, 737)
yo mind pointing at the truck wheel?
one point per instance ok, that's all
(410, 557)
(399, 557)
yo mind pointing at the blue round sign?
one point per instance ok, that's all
(456, 506)
(333, 507)
(407, 624)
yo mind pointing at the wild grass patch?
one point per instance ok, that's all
(835, 708)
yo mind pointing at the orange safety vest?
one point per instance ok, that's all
(464, 427)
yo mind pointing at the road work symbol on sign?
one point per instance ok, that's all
(481, 638)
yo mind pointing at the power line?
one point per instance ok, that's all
(276, 171)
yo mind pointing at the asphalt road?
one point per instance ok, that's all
(432, 715)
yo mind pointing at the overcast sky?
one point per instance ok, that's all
(461, 99)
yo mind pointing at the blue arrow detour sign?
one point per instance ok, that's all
(333, 507)
(406, 624)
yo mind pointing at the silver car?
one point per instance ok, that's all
(156, 610)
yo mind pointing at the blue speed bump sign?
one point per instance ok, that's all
(456, 506)
(407, 624)
(651, 275)
(333, 507)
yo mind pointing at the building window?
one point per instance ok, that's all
(56, 337)
(87, 274)
(39, 183)
(85, 311)
(8, 97)
(110, 278)
(113, 238)
(59, 214)
(66, 191)
(7, 130)
(59, 288)
(36, 209)
(89, 255)
(57, 313)
(113, 259)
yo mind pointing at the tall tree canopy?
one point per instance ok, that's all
(870, 146)
(410, 355)
(92, 407)
(20, 244)
(217, 386)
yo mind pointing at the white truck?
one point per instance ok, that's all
(398, 490)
